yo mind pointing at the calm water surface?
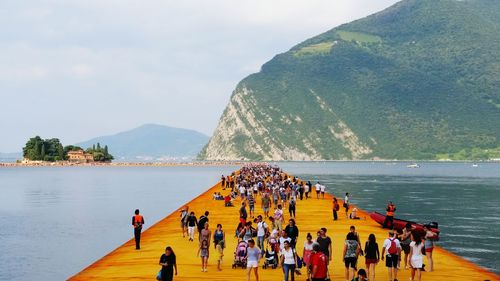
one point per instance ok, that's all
(463, 199)
(56, 221)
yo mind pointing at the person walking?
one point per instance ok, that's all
(291, 207)
(223, 182)
(266, 204)
(335, 208)
(372, 255)
(288, 261)
(318, 189)
(184, 215)
(278, 217)
(137, 222)
(246, 233)
(429, 246)
(416, 257)
(389, 216)
(253, 257)
(346, 204)
(251, 204)
(292, 231)
(192, 222)
(393, 248)
(322, 189)
(219, 248)
(168, 265)
(307, 252)
(325, 243)
(262, 229)
(307, 189)
(219, 235)
(243, 213)
(205, 234)
(201, 222)
(204, 253)
(350, 255)
(319, 264)
(405, 239)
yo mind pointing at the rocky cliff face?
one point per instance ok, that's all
(416, 80)
(245, 132)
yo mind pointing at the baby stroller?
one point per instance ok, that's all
(240, 255)
(271, 259)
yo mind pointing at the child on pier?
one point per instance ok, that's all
(203, 252)
(220, 253)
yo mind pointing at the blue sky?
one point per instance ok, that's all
(81, 69)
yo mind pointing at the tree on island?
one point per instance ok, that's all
(38, 149)
(100, 154)
(43, 150)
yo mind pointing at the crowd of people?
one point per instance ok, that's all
(266, 235)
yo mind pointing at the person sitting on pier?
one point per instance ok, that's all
(228, 201)
(354, 214)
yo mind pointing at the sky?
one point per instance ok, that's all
(81, 69)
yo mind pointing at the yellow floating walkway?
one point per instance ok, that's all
(126, 263)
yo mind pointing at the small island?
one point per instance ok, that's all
(38, 150)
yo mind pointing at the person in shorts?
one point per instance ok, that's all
(351, 253)
(405, 239)
(253, 257)
(266, 204)
(319, 262)
(372, 255)
(392, 247)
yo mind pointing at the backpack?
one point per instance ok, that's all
(393, 249)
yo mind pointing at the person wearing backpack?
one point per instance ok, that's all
(393, 248)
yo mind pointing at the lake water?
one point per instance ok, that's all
(58, 220)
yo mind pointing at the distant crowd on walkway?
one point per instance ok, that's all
(265, 237)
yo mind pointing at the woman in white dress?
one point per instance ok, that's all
(416, 258)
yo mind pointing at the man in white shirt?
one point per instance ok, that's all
(262, 228)
(393, 248)
(284, 237)
(322, 189)
(318, 189)
(242, 191)
(346, 203)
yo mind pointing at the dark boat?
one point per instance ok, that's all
(399, 224)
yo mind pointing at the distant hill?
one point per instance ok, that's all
(419, 80)
(151, 142)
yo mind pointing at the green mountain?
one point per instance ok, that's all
(151, 142)
(419, 80)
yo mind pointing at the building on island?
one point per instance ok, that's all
(80, 156)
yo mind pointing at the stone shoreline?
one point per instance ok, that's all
(121, 164)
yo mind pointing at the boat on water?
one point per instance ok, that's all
(413, 165)
(475, 165)
(399, 224)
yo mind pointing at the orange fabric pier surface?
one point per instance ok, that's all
(126, 263)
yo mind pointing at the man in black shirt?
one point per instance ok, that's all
(192, 222)
(137, 222)
(202, 221)
(292, 231)
(325, 246)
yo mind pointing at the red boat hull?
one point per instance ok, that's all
(399, 224)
